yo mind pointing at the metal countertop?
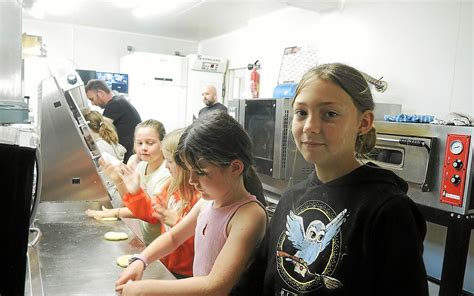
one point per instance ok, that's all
(72, 256)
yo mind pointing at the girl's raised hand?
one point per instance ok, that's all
(167, 216)
(111, 170)
(130, 178)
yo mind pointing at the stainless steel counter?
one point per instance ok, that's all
(72, 256)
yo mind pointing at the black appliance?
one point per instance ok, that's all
(18, 169)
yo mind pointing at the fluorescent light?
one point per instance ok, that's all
(126, 4)
(157, 7)
(151, 9)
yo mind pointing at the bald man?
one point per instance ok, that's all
(209, 97)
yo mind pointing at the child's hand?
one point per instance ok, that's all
(105, 213)
(136, 161)
(130, 178)
(109, 158)
(110, 170)
(167, 216)
(133, 272)
(130, 288)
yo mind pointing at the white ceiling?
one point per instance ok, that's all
(196, 20)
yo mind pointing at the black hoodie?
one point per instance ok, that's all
(357, 235)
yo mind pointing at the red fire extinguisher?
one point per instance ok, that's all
(254, 79)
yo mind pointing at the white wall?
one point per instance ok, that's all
(88, 48)
(100, 49)
(264, 39)
(423, 50)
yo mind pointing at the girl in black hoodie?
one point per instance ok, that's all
(350, 228)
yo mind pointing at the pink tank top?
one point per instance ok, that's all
(211, 235)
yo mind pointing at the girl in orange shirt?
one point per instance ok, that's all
(169, 206)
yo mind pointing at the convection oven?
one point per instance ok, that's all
(268, 123)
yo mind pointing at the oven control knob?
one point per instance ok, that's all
(455, 179)
(457, 164)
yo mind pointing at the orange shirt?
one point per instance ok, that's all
(180, 261)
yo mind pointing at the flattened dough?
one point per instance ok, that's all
(107, 219)
(122, 261)
(115, 236)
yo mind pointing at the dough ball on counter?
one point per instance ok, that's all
(115, 236)
(122, 261)
(106, 219)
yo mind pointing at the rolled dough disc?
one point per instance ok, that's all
(122, 261)
(115, 236)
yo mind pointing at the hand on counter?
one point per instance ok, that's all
(105, 213)
(134, 272)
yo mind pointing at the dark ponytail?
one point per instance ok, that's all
(253, 185)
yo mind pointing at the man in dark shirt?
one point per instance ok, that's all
(116, 108)
(209, 97)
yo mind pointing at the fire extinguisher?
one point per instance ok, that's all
(254, 79)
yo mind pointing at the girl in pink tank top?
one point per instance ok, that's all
(228, 222)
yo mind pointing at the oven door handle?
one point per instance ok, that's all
(407, 141)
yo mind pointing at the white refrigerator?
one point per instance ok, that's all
(157, 87)
(203, 71)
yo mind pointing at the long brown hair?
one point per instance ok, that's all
(98, 124)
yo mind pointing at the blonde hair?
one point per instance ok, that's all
(98, 124)
(179, 182)
(355, 85)
(154, 124)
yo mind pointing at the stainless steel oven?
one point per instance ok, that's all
(437, 163)
(267, 121)
(435, 160)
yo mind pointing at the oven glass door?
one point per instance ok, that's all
(260, 125)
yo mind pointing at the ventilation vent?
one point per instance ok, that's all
(40, 92)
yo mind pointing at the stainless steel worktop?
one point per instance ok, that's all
(72, 256)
